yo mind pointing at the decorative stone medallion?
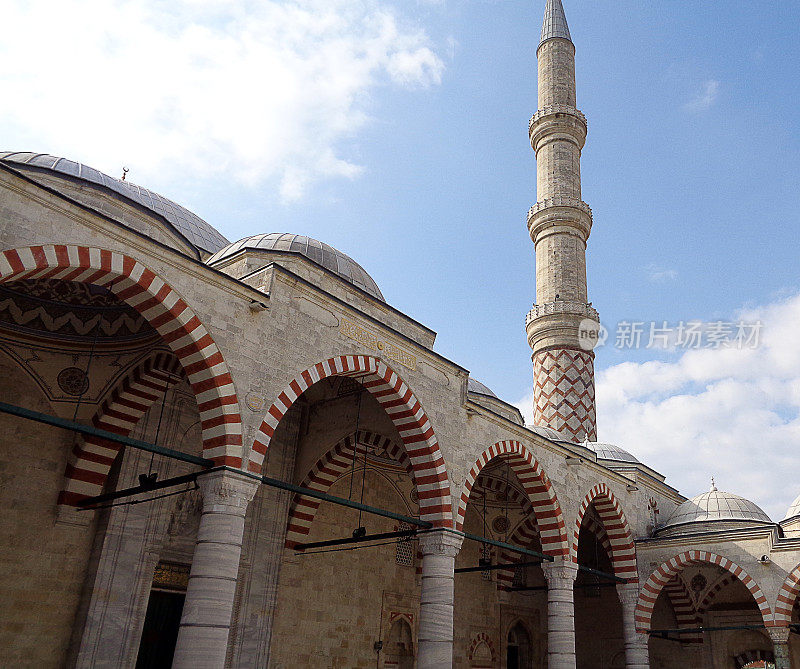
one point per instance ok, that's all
(73, 381)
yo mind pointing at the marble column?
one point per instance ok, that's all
(560, 576)
(780, 645)
(203, 636)
(637, 655)
(439, 550)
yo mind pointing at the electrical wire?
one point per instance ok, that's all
(349, 548)
(140, 501)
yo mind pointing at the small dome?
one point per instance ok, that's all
(319, 253)
(794, 509)
(714, 506)
(189, 225)
(475, 386)
(610, 452)
(550, 433)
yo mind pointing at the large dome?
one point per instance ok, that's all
(715, 506)
(794, 509)
(189, 225)
(322, 254)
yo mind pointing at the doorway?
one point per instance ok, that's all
(518, 649)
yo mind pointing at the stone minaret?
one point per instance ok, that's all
(559, 225)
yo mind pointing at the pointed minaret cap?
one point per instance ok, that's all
(555, 22)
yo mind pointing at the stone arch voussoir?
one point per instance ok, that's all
(92, 457)
(661, 576)
(132, 282)
(787, 597)
(546, 508)
(623, 550)
(402, 407)
(334, 464)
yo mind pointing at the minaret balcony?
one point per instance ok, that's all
(558, 307)
(557, 122)
(559, 214)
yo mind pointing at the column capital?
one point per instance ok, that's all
(560, 573)
(440, 542)
(628, 593)
(778, 634)
(226, 488)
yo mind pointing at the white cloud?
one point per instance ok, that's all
(731, 413)
(705, 98)
(256, 91)
(656, 274)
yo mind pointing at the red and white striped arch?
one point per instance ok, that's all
(402, 407)
(661, 576)
(166, 311)
(788, 597)
(623, 551)
(536, 484)
(332, 466)
(711, 592)
(526, 534)
(92, 457)
(683, 607)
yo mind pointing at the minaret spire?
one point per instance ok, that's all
(559, 225)
(555, 22)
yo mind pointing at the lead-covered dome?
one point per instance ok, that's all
(475, 386)
(715, 507)
(318, 252)
(611, 452)
(190, 226)
(794, 509)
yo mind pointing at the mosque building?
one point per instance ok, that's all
(240, 455)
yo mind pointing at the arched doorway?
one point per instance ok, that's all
(518, 648)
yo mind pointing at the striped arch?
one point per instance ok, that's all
(525, 535)
(405, 411)
(337, 462)
(527, 532)
(683, 607)
(166, 311)
(543, 498)
(92, 457)
(711, 592)
(623, 552)
(661, 576)
(788, 597)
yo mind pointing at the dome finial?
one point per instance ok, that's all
(713, 485)
(555, 22)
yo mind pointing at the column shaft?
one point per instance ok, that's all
(637, 655)
(439, 550)
(205, 623)
(560, 577)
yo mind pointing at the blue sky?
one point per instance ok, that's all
(397, 132)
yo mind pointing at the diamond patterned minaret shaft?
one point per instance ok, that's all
(559, 225)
